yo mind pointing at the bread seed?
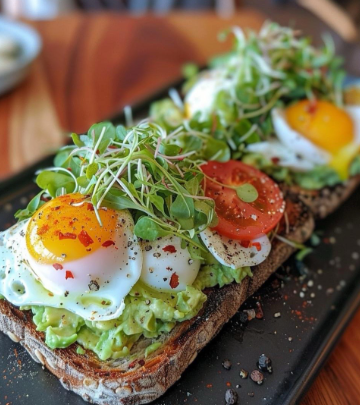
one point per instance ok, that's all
(89, 383)
(13, 337)
(127, 390)
(40, 357)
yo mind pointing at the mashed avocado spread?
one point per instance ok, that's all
(147, 313)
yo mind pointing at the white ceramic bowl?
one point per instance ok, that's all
(30, 43)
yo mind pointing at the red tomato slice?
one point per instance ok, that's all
(237, 219)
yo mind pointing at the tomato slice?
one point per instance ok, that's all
(238, 219)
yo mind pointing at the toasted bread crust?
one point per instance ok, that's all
(143, 380)
(326, 200)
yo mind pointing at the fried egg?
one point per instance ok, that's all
(63, 257)
(234, 253)
(167, 266)
(313, 133)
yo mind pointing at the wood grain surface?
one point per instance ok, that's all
(93, 65)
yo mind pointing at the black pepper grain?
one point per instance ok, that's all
(226, 364)
(265, 364)
(243, 317)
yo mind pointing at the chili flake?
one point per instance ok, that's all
(108, 243)
(174, 280)
(68, 274)
(170, 249)
(57, 266)
(41, 231)
(66, 235)
(85, 238)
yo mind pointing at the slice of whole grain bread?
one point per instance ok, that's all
(326, 200)
(139, 380)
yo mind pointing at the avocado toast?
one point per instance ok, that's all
(279, 103)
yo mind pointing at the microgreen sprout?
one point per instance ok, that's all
(156, 176)
(267, 69)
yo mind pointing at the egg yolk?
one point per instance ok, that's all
(66, 228)
(322, 123)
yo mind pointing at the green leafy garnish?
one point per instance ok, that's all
(271, 68)
(247, 192)
(153, 174)
(189, 70)
(33, 206)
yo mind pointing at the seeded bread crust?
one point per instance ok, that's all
(138, 380)
(326, 200)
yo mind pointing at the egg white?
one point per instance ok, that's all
(229, 252)
(160, 264)
(101, 280)
(202, 96)
(295, 151)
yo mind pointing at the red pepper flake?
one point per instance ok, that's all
(55, 208)
(112, 147)
(170, 249)
(245, 243)
(69, 169)
(174, 280)
(41, 231)
(257, 245)
(312, 107)
(208, 385)
(46, 199)
(132, 364)
(89, 207)
(108, 243)
(85, 239)
(228, 384)
(68, 274)
(275, 160)
(259, 314)
(57, 266)
(248, 244)
(66, 235)
(142, 362)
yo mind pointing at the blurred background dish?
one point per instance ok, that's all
(19, 46)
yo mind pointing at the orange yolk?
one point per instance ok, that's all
(66, 228)
(322, 123)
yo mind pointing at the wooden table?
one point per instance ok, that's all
(93, 65)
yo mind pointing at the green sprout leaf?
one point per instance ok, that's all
(77, 141)
(91, 170)
(247, 193)
(54, 181)
(31, 208)
(189, 70)
(147, 228)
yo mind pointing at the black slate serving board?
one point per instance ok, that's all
(306, 308)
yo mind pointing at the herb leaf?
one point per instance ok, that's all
(31, 208)
(147, 228)
(247, 193)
